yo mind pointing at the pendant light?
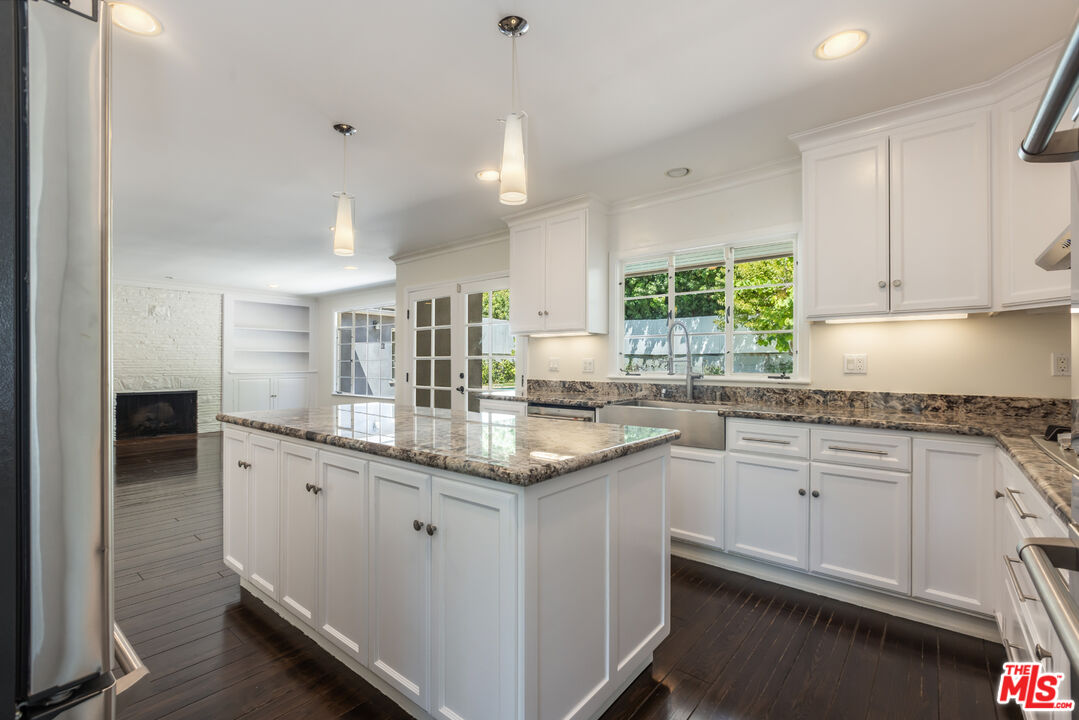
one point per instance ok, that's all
(344, 236)
(513, 179)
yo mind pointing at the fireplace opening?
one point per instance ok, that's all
(157, 413)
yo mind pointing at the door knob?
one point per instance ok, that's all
(417, 525)
(802, 491)
(431, 529)
(816, 493)
(882, 284)
(896, 283)
(460, 389)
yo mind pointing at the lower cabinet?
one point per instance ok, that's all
(767, 508)
(234, 491)
(444, 593)
(264, 517)
(697, 496)
(299, 530)
(952, 550)
(859, 520)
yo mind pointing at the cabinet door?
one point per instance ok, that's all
(400, 579)
(859, 525)
(952, 551)
(767, 508)
(473, 602)
(527, 277)
(234, 482)
(940, 245)
(299, 530)
(265, 499)
(697, 496)
(290, 392)
(1032, 205)
(342, 567)
(845, 196)
(566, 268)
(252, 393)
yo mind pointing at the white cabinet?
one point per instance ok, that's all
(696, 495)
(269, 392)
(766, 503)
(952, 550)
(444, 593)
(264, 498)
(299, 530)
(939, 190)
(859, 524)
(1031, 205)
(343, 552)
(234, 495)
(558, 270)
(845, 212)
(890, 216)
(400, 578)
(473, 602)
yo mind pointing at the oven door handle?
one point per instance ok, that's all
(1043, 557)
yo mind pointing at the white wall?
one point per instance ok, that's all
(326, 333)
(169, 339)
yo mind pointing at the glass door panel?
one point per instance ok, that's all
(490, 348)
(433, 351)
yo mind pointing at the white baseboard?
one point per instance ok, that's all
(909, 608)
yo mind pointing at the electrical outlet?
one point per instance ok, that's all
(1062, 364)
(854, 364)
(588, 365)
(552, 364)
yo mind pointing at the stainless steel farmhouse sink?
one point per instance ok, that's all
(702, 426)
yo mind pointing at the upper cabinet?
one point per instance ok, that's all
(1032, 207)
(558, 269)
(899, 221)
(927, 208)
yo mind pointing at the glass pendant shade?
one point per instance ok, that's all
(343, 234)
(513, 189)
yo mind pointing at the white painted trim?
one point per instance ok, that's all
(970, 97)
(330, 296)
(473, 242)
(710, 185)
(566, 205)
(973, 625)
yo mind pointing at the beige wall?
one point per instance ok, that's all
(326, 333)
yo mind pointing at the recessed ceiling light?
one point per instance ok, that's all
(134, 19)
(679, 172)
(841, 44)
(487, 175)
(351, 267)
(273, 285)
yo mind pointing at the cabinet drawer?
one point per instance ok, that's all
(865, 449)
(768, 438)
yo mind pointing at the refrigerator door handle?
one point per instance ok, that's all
(128, 660)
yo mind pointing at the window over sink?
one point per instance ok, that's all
(737, 301)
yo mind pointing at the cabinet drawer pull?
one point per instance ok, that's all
(864, 451)
(1023, 514)
(1008, 562)
(766, 440)
(1041, 653)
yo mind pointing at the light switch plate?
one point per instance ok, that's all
(854, 364)
(552, 364)
(588, 365)
(1061, 365)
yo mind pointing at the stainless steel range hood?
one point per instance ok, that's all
(1044, 143)
(1058, 256)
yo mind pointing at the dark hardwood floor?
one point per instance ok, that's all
(739, 647)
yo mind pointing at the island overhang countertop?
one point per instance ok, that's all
(515, 450)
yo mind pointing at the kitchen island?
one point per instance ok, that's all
(471, 567)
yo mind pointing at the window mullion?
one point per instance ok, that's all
(728, 311)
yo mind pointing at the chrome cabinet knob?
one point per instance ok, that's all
(546, 313)
(816, 493)
(239, 463)
(431, 529)
(417, 525)
(896, 283)
(540, 313)
(309, 487)
(802, 491)
(882, 284)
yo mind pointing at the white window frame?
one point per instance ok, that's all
(800, 374)
(337, 346)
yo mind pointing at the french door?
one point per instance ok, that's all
(461, 344)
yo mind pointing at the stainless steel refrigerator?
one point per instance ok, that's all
(64, 641)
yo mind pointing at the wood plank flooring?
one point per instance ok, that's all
(739, 647)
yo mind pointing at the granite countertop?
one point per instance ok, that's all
(1011, 432)
(514, 450)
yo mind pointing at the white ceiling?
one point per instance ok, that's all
(225, 160)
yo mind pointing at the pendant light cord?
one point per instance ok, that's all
(344, 164)
(513, 79)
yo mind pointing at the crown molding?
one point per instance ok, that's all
(455, 246)
(208, 289)
(565, 205)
